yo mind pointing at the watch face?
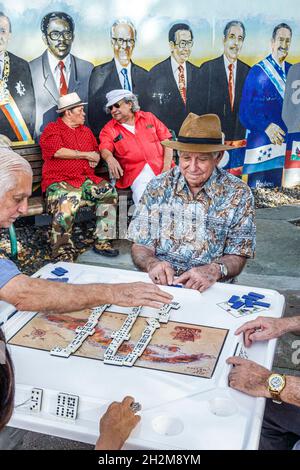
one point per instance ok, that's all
(276, 382)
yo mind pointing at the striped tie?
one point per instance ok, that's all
(181, 83)
(126, 85)
(231, 86)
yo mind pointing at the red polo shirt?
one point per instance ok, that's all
(133, 151)
(58, 135)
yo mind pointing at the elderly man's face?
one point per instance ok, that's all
(122, 112)
(281, 44)
(123, 43)
(76, 116)
(182, 47)
(14, 203)
(59, 38)
(233, 43)
(197, 167)
(4, 33)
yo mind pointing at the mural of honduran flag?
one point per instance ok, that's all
(233, 160)
(263, 161)
(291, 172)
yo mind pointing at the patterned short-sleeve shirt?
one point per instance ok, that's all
(190, 231)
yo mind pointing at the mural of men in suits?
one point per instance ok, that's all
(57, 72)
(174, 81)
(17, 102)
(120, 72)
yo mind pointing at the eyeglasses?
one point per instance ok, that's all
(116, 105)
(182, 44)
(55, 35)
(121, 42)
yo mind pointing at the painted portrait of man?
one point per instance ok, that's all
(17, 102)
(57, 72)
(118, 73)
(173, 85)
(260, 113)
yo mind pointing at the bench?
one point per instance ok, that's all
(36, 203)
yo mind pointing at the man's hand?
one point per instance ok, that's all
(248, 377)
(200, 278)
(116, 425)
(93, 157)
(114, 167)
(139, 293)
(275, 134)
(161, 272)
(261, 329)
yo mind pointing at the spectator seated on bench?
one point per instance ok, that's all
(130, 143)
(70, 154)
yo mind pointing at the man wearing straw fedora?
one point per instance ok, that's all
(70, 154)
(194, 225)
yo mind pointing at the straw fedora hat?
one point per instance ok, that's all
(69, 101)
(199, 134)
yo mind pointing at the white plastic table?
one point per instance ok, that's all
(178, 411)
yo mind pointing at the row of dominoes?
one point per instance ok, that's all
(142, 343)
(119, 336)
(82, 332)
(110, 355)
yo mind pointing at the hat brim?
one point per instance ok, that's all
(71, 106)
(174, 144)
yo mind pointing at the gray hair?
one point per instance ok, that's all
(129, 99)
(11, 163)
(123, 21)
(234, 23)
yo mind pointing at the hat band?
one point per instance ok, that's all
(71, 104)
(200, 140)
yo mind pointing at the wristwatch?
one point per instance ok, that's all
(223, 269)
(276, 383)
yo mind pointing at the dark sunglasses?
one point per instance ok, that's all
(116, 105)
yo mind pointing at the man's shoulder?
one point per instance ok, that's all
(161, 65)
(51, 128)
(14, 59)
(232, 183)
(102, 68)
(139, 70)
(243, 66)
(82, 64)
(161, 182)
(212, 63)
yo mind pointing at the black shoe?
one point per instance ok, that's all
(105, 248)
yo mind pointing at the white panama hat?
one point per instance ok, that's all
(69, 101)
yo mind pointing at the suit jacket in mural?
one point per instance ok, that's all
(21, 89)
(46, 91)
(164, 99)
(105, 78)
(214, 95)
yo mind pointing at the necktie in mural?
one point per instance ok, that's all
(181, 83)
(126, 85)
(63, 87)
(230, 86)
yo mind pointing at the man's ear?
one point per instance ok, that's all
(219, 157)
(44, 37)
(172, 45)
